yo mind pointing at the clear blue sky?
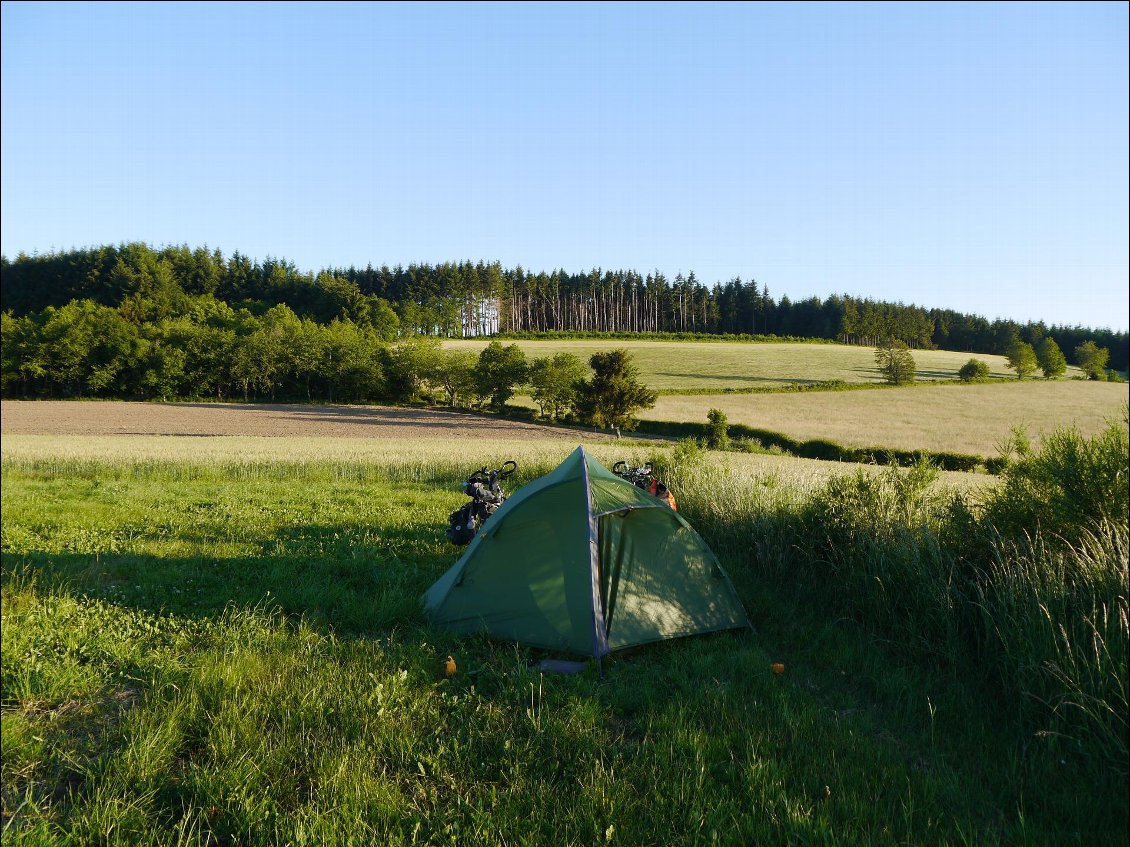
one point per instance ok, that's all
(971, 156)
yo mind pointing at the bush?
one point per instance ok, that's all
(1026, 595)
(1045, 621)
(974, 371)
(681, 466)
(819, 448)
(748, 444)
(717, 431)
(873, 544)
(1067, 488)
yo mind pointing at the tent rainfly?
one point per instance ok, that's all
(584, 562)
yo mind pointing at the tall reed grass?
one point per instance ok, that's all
(1023, 587)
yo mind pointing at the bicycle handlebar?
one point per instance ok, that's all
(486, 475)
(624, 469)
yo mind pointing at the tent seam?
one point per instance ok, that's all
(600, 638)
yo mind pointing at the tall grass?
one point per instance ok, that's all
(1054, 632)
(1023, 587)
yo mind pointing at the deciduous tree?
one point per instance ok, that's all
(1092, 359)
(1052, 361)
(1021, 358)
(895, 361)
(457, 374)
(555, 382)
(499, 371)
(413, 366)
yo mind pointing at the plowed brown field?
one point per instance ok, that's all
(64, 417)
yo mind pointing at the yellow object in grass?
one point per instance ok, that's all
(449, 667)
(777, 667)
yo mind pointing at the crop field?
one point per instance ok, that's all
(377, 423)
(967, 419)
(976, 419)
(407, 441)
(716, 365)
(216, 639)
(414, 459)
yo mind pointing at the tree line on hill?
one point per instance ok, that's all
(150, 286)
(210, 350)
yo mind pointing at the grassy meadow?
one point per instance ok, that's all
(218, 642)
(688, 366)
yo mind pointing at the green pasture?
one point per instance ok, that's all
(674, 366)
(221, 645)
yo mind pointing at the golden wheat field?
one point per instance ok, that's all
(975, 419)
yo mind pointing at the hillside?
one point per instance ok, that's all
(466, 298)
(677, 367)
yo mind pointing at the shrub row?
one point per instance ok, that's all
(819, 448)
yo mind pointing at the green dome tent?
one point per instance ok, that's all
(582, 561)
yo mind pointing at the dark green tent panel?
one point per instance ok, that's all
(584, 562)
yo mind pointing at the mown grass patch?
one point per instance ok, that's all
(687, 365)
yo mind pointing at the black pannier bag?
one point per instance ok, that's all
(462, 525)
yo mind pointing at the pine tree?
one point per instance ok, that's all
(614, 394)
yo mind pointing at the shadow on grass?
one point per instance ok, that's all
(323, 574)
(440, 418)
(708, 706)
(772, 380)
